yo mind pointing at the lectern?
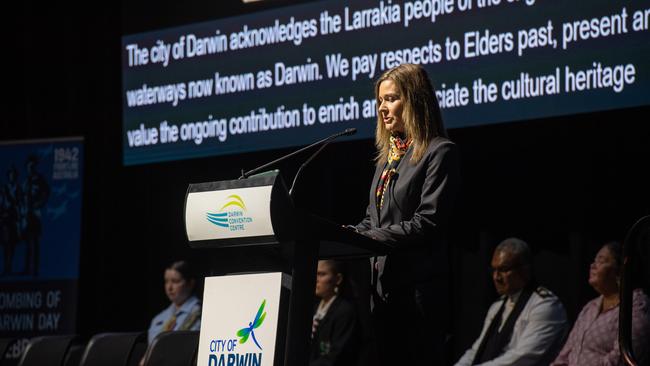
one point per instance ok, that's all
(257, 213)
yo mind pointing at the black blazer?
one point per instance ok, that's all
(335, 340)
(416, 208)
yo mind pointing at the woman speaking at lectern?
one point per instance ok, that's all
(411, 197)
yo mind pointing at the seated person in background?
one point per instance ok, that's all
(184, 312)
(527, 324)
(334, 328)
(594, 338)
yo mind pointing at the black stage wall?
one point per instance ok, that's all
(564, 184)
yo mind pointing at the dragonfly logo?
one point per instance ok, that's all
(249, 331)
(231, 215)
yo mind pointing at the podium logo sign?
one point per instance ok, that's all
(231, 215)
(244, 333)
(224, 351)
(239, 320)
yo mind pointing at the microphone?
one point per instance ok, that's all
(347, 132)
(324, 142)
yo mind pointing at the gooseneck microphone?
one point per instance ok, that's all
(324, 142)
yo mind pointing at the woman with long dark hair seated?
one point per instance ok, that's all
(593, 341)
(334, 327)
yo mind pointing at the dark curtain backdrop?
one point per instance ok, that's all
(564, 184)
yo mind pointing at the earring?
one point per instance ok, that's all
(336, 289)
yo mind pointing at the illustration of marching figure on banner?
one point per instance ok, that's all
(40, 230)
(21, 215)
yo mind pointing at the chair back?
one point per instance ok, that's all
(177, 348)
(138, 354)
(73, 357)
(111, 349)
(46, 351)
(5, 343)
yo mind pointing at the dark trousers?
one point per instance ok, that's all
(409, 325)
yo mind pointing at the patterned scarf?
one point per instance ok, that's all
(398, 148)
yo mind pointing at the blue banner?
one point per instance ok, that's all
(40, 230)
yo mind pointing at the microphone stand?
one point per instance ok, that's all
(295, 178)
(324, 141)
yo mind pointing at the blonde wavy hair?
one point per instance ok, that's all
(420, 111)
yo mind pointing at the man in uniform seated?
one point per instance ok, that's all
(527, 324)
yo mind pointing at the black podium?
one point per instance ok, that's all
(257, 213)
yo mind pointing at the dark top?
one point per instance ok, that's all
(417, 205)
(335, 340)
(495, 340)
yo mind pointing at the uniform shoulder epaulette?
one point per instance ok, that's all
(543, 292)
